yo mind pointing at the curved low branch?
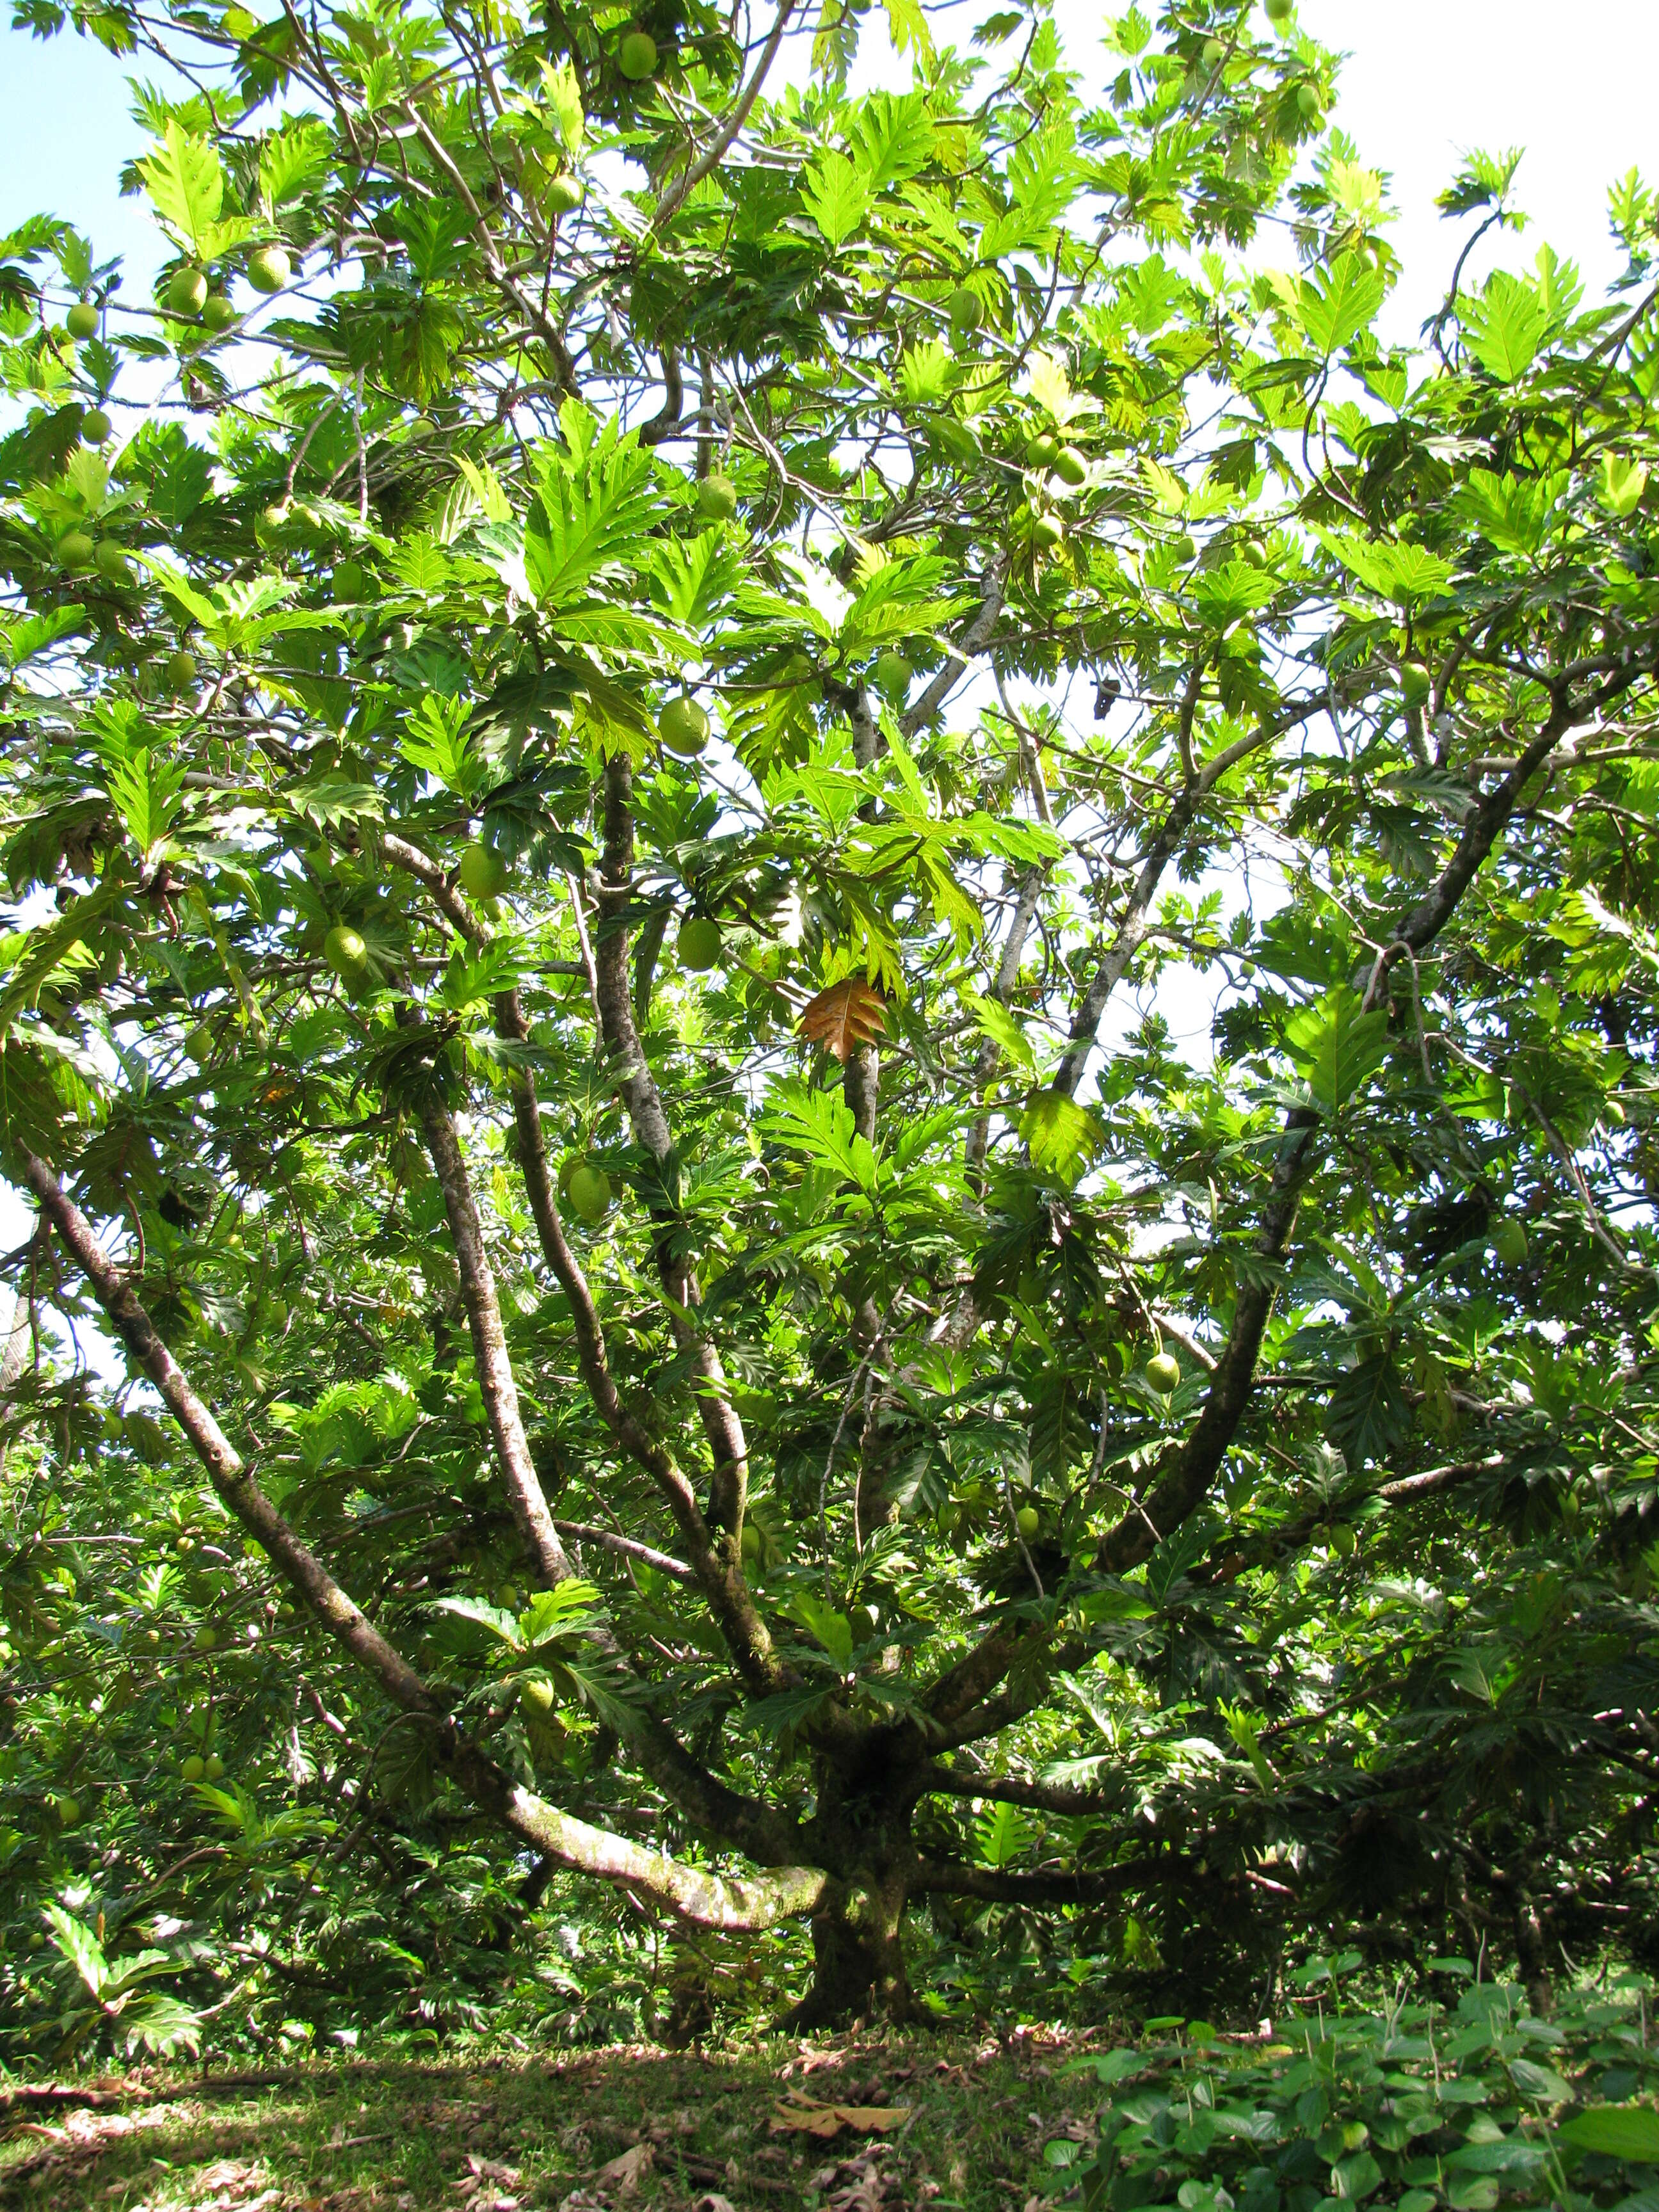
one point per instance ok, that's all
(710, 1899)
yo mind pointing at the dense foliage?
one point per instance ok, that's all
(1457, 2104)
(631, 702)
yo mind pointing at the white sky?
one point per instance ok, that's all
(1425, 81)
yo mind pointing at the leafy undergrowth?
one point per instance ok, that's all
(918, 2121)
(1459, 2106)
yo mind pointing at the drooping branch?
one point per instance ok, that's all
(709, 1899)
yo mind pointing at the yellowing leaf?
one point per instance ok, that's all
(844, 1018)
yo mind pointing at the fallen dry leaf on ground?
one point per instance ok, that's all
(627, 2171)
(713, 2202)
(800, 2113)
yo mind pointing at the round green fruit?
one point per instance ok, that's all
(207, 1636)
(1185, 548)
(269, 269)
(95, 427)
(1213, 51)
(1343, 1539)
(1253, 554)
(563, 195)
(1041, 453)
(111, 564)
(966, 310)
(536, 1694)
(69, 1812)
(590, 1192)
(1508, 1242)
(82, 320)
(1307, 100)
(1415, 684)
(1047, 532)
(749, 1543)
(1280, 11)
(799, 669)
(1028, 1520)
(198, 1046)
(215, 1766)
(76, 549)
(1163, 1372)
(194, 1767)
(1070, 466)
(893, 673)
(484, 870)
(187, 292)
(682, 726)
(699, 944)
(347, 953)
(637, 57)
(180, 671)
(219, 311)
(347, 583)
(717, 498)
(275, 516)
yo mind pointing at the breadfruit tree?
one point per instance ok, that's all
(641, 698)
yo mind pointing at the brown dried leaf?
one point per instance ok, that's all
(800, 2113)
(627, 2171)
(845, 1016)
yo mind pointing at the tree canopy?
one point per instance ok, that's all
(638, 704)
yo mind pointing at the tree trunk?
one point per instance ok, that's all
(858, 1961)
(1533, 1955)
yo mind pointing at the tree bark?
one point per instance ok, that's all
(858, 1960)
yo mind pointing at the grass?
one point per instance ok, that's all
(495, 2133)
